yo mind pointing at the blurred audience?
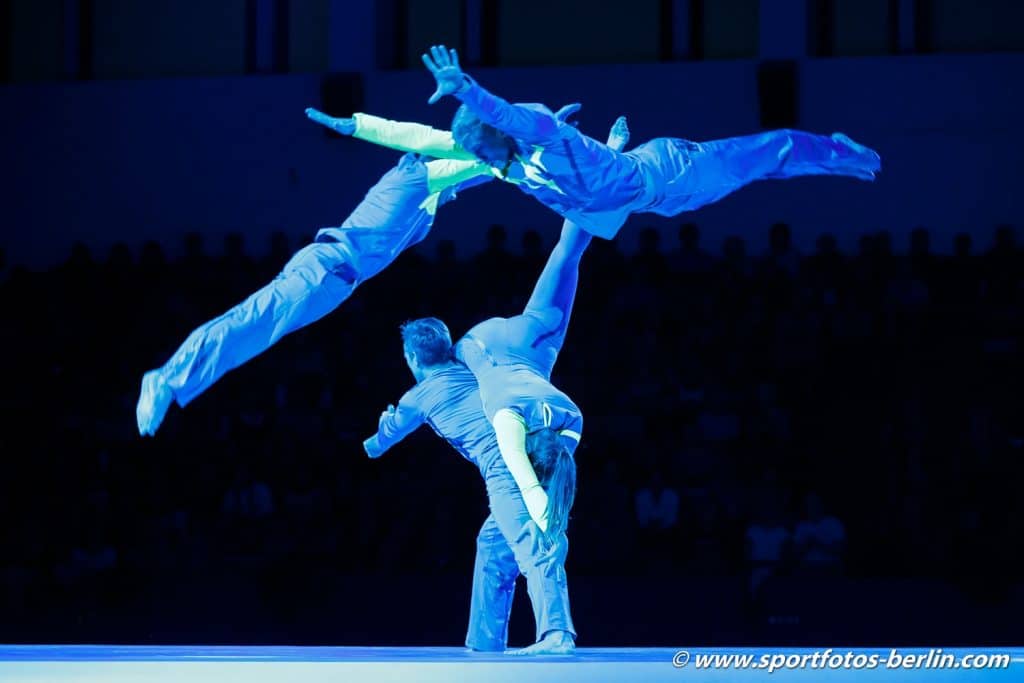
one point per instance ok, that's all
(867, 386)
(819, 539)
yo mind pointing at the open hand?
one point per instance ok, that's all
(343, 126)
(618, 136)
(444, 65)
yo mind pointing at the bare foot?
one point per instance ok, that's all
(619, 134)
(554, 643)
(154, 400)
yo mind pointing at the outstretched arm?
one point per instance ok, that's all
(461, 175)
(394, 425)
(400, 135)
(555, 291)
(529, 124)
(445, 173)
(510, 429)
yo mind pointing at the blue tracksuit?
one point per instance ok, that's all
(509, 543)
(598, 188)
(395, 214)
(512, 358)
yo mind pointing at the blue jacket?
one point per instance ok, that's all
(575, 175)
(399, 210)
(449, 401)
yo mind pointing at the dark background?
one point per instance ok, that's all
(733, 375)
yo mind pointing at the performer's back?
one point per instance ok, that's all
(581, 167)
(449, 400)
(388, 220)
(512, 359)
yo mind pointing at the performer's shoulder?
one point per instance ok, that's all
(441, 390)
(440, 383)
(413, 397)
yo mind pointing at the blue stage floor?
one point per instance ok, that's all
(88, 663)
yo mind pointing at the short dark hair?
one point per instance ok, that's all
(429, 338)
(469, 131)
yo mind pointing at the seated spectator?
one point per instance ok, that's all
(648, 265)
(690, 261)
(657, 505)
(819, 539)
(782, 258)
(247, 498)
(90, 559)
(768, 544)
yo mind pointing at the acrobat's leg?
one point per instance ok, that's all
(313, 283)
(787, 154)
(555, 292)
(694, 174)
(539, 560)
(494, 583)
(553, 295)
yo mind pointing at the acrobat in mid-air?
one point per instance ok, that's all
(501, 412)
(396, 213)
(595, 186)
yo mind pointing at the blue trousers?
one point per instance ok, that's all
(312, 284)
(510, 544)
(684, 175)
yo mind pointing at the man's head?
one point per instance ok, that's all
(486, 142)
(427, 343)
(920, 241)
(497, 235)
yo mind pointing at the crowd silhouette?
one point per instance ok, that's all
(749, 415)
